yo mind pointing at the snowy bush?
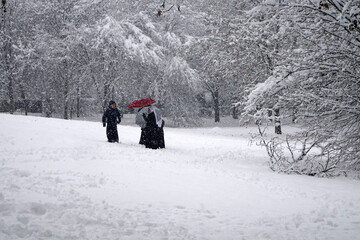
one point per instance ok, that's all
(304, 152)
(315, 75)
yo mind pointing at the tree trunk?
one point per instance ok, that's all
(66, 98)
(216, 105)
(106, 94)
(113, 97)
(8, 64)
(277, 121)
(294, 115)
(235, 112)
(66, 90)
(72, 108)
(47, 107)
(78, 97)
(11, 93)
(24, 100)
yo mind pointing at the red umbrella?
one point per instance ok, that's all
(142, 102)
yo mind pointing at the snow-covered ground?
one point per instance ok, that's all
(61, 180)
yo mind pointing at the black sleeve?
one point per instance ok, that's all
(151, 120)
(119, 116)
(104, 117)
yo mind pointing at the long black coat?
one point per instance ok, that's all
(111, 118)
(154, 135)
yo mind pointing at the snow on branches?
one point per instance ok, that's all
(165, 7)
(316, 73)
(130, 38)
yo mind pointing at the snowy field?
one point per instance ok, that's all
(61, 180)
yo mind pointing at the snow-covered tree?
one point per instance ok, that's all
(317, 76)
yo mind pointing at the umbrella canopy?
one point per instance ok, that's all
(142, 102)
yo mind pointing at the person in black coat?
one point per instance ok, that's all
(139, 120)
(154, 133)
(110, 120)
(161, 135)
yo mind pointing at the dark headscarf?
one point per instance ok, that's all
(111, 103)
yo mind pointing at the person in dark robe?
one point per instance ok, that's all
(154, 133)
(161, 134)
(110, 119)
(139, 120)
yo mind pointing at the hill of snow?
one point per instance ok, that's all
(61, 180)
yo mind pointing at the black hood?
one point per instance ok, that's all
(111, 103)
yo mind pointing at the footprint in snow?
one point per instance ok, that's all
(129, 232)
(38, 209)
(180, 207)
